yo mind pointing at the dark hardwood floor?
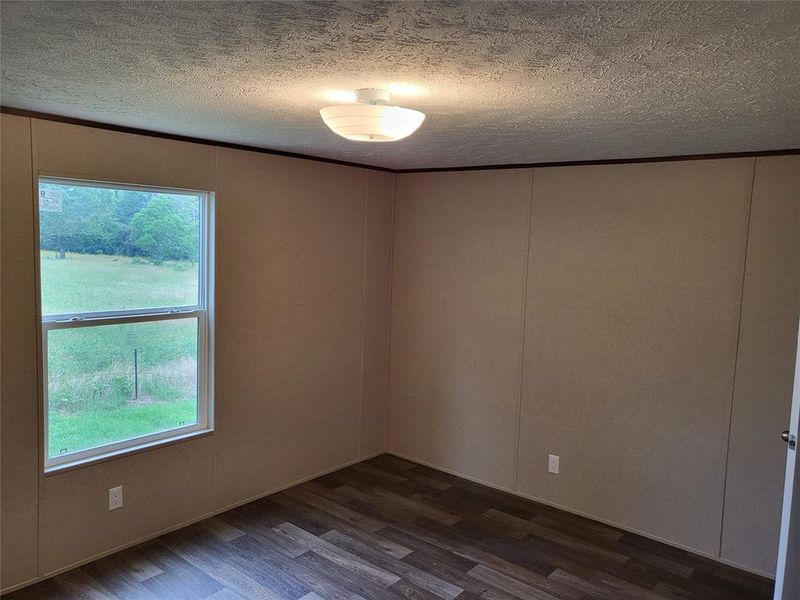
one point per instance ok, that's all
(388, 529)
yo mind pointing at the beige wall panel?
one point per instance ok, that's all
(290, 258)
(291, 291)
(457, 295)
(633, 303)
(162, 489)
(84, 152)
(765, 365)
(18, 376)
(377, 284)
(633, 298)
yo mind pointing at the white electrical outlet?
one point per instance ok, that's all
(115, 498)
(552, 464)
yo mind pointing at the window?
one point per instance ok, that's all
(126, 279)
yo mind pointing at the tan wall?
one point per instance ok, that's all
(377, 295)
(298, 350)
(634, 287)
(765, 364)
(457, 305)
(19, 452)
(633, 276)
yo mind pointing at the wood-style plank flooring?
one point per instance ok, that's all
(388, 529)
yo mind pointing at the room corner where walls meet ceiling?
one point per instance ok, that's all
(500, 82)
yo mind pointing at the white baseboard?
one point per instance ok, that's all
(579, 513)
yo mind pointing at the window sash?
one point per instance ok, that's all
(117, 317)
(103, 451)
(204, 268)
(202, 311)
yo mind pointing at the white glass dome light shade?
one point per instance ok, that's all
(372, 120)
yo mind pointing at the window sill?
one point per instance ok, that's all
(100, 458)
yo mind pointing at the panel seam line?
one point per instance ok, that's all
(524, 320)
(360, 447)
(736, 358)
(392, 240)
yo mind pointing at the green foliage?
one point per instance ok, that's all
(90, 370)
(92, 397)
(161, 233)
(95, 220)
(91, 428)
(88, 282)
(86, 223)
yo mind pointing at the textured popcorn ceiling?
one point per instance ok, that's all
(501, 82)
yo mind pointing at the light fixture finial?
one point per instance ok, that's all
(373, 96)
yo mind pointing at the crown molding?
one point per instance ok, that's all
(538, 165)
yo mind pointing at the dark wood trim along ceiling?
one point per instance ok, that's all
(182, 138)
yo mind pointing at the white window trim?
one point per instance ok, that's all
(203, 311)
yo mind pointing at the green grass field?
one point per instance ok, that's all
(92, 396)
(84, 282)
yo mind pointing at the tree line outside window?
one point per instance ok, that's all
(153, 226)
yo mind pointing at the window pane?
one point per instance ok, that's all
(115, 249)
(111, 383)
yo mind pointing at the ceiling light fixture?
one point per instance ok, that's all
(372, 119)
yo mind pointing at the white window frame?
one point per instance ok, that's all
(203, 311)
